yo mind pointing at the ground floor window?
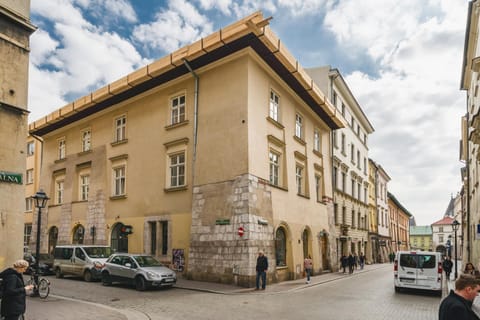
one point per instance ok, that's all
(281, 247)
(78, 233)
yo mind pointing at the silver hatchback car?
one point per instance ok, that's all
(139, 269)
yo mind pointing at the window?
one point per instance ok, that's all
(29, 176)
(353, 218)
(61, 148)
(352, 153)
(359, 220)
(30, 148)
(343, 143)
(153, 237)
(177, 170)
(335, 212)
(344, 182)
(335, 139)
(364, 165)
(274, 168)
(298, 126)
(28, 204)
(59, 185)
(299, 179)
(281, 247)
(359, 191)
(344, 215)
(86, 140)
(335, 172)
(358, 130)
(318, 187)
(164, 226)
(119, 181)
(334, 99)
(27, 231)
(178, 109)
(343, 109)
(365, 194)
(440, 238)
(84, 187)
(274, 106)
(120, 128)
(316, 140)
(440, 229)
(358, 159)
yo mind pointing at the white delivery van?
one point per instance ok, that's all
(418, 270)
(80, 260)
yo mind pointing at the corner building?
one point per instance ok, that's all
(207, 156)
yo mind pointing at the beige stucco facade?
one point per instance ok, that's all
(191, 179)
(399, 224)
(15, 30)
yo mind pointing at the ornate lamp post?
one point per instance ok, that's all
(455, 225)
(40, 199)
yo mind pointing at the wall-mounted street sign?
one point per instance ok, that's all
(11, 177)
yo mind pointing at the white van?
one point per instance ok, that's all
(80, 260)
(418, 270)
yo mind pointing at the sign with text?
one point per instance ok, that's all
(11, 177)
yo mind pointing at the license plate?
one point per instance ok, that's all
(407, 280)
(168, 280)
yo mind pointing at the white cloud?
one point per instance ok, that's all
(179, 24)
(109, 9)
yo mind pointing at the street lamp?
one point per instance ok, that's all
(455, 225)
(40, 199)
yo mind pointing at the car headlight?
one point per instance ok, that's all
(98, 265)
(152, 274)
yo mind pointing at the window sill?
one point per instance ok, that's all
(60, 160)
(55, 205)
(278, 187)
(84, 152)
(79, 201)
(275, 123)
(123, 196)
(119, 142)
(176, 125)
(317, 153)
(303, 196)
(281, 267)
(299, 140)
(175, 189)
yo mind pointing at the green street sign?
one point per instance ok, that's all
(11, 177)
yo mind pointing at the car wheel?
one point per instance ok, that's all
(58, 273)
(106, 279)
(140, 283)
(87, 276)
(397, 289)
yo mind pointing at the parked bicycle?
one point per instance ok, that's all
(41, 286)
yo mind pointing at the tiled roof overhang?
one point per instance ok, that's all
(273, 54)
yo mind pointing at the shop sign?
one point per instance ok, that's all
(11, 177)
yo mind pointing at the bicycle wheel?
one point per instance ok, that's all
(43, 288)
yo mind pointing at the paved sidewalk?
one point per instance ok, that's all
(62, 308)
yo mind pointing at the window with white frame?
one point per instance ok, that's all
(178, 109)
(274, 106)
(86, 140)
(298, 126)
(120, 128)
(84, 186)
(299, 178)
(30, 148)
(274, 168)
(61, 148)
(28, 204)
(59, 189)
(316, 140)
(27, 231)
(119, 180)
(29, 176)
(177, 170)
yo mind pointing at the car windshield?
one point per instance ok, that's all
(417, 261)
(147, 261)
(98, 252)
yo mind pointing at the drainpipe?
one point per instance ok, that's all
(195, 118)
(468, 188)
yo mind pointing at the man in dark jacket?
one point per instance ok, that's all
(262, 267)
(14, 291)
(458, 304)
(447, 267)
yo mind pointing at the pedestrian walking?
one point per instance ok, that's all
(469, 269)
(262, 267)
(391, 257)
(458, 304)
(344, 262)
(355, 259)
(447, 266)
(308, 267)
(351, 263)
(361, 259)
(13, 304)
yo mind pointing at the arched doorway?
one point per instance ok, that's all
(324, 249)
(52, 239)
(78, 233)
(119, 240)
(281, 247)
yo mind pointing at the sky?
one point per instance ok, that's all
(401, 59)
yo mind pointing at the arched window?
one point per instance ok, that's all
(52, 239)
(78, 233)
(281, 247)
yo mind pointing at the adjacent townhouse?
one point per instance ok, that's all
(380, 239)
(470, 144)
(350, 164)
(15, 31)
(399, 224)
(421, 238)
(201, 158)
(443, 237)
